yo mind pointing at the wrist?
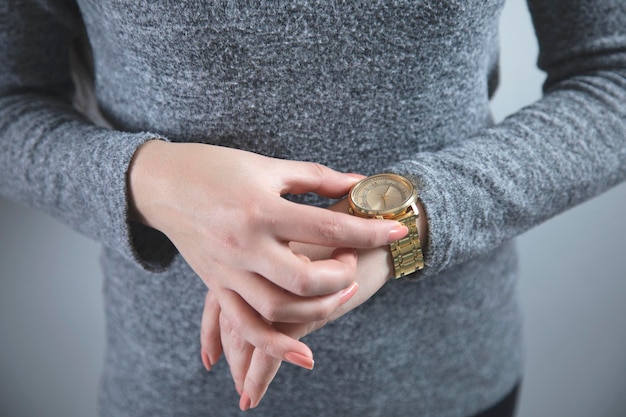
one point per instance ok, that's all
(394, 197)
(377, 263)
(374, 269)
(141, 179)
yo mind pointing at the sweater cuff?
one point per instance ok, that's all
(433, 196)
(141, 244)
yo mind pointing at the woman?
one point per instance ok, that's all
(363, 87)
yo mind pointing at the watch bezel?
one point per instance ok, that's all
(395, 211)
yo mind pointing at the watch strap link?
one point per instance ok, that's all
(407, 252)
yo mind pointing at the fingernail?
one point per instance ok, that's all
(300, 360)
(205, 360)
(397, 232)
(347, 293)
(244, 402)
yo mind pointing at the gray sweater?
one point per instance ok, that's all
(361, 86)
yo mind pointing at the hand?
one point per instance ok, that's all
(223, 210)
(252, 368)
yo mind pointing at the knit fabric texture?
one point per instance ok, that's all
(360, 86)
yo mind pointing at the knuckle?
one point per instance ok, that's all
(301, 284)
(254, 213)
(381, 236)
(266, 349)
(323, 312)
(258, 216)
(231, 327)
(318, 172)
(345, 270)
(237, 342)
(331, 230)
(254, 385)
(375, 237)
(225, 324)
(271, 311)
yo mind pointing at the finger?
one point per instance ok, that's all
(210, 343)
(277, 305)
(263, 368)
(319, 226)
(301, 276)
(309, 177)
(261, 373)
(237, 351)
(248, 326)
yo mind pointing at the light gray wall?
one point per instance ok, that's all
(572, 287)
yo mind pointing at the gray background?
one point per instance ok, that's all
(572, 287)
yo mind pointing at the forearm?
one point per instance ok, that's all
(54, 160)
(51, 157)
(563, 149)
(545, 159)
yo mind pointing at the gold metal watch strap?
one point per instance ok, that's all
(407, 252)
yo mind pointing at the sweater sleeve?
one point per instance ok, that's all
(558, 152)
(51, 157)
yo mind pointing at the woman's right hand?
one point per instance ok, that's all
(223, 209)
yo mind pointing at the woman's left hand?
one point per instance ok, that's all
(253, 369)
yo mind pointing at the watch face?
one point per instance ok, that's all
(383, 194)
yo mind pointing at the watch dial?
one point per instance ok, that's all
(384, 193)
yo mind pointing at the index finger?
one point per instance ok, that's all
(319, 226)
(299, 177)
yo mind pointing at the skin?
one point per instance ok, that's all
(253, 366)
(223, 210)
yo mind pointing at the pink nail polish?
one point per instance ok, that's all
(244, 402)
(300, 360)
(205, 360)
(347, 293)
(397, 232)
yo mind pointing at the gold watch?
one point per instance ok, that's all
(391, 196)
